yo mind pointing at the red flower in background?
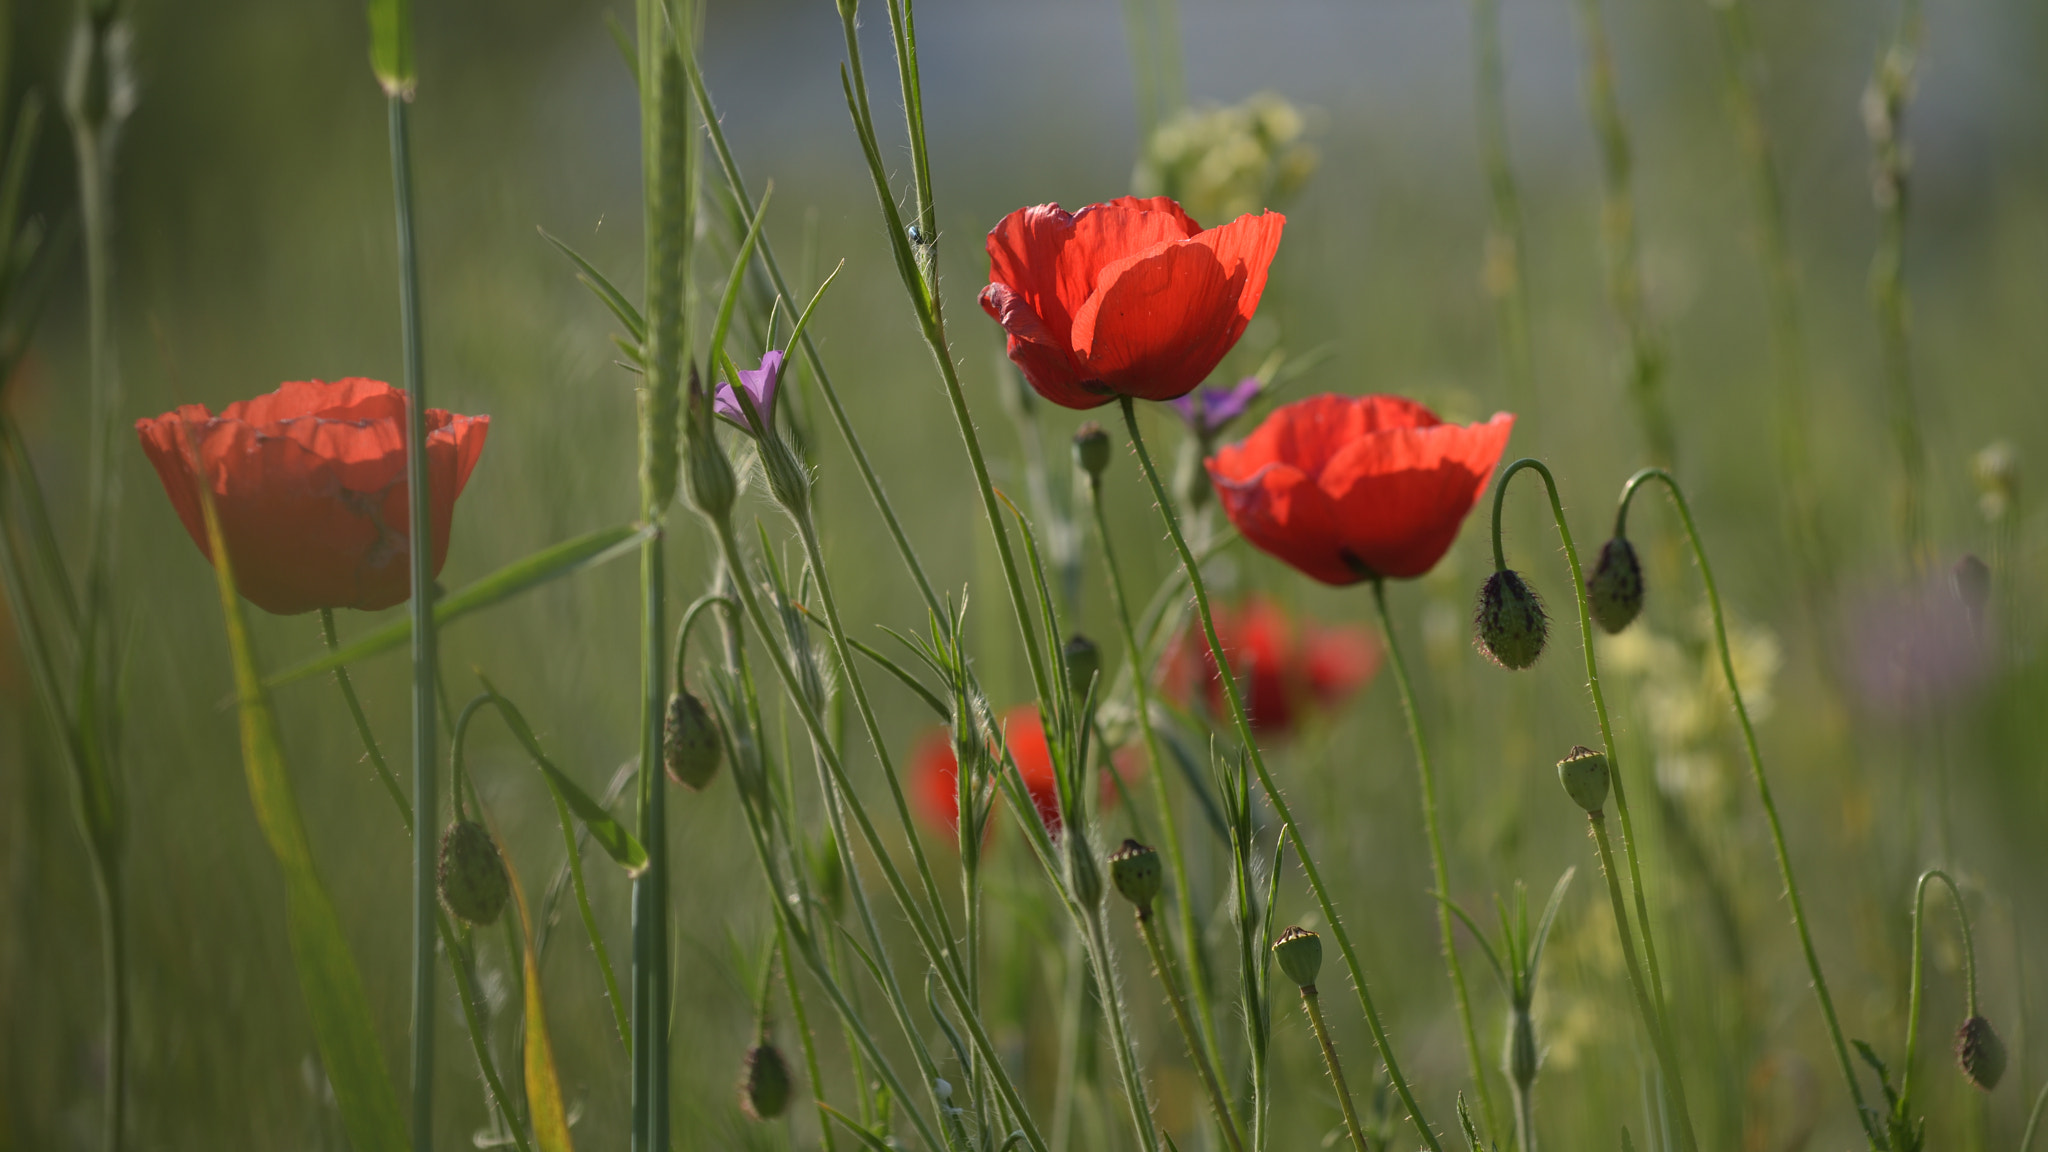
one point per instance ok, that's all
(309, 482)
(1349, 488)
(935, 772)
(1125, 298)
(1280, 673)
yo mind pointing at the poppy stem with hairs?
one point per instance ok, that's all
(1162, 961)
(420, 545)
(1272, 790)
(1902, 1110)
(362, 722)
(1756, 767)
(1311, 1003)
(1654, 1002)
(1433, 826)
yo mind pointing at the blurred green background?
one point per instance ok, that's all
(254, 245)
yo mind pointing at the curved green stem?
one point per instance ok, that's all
(1312, 1004)
(1271, 789)
(1163, 963)
(1756, 769)
(1620, 787)
(1653, 1022)
(1436, 854)
(2034, 1120)
(1176, 859)
(1913, 1005)
(362, 722)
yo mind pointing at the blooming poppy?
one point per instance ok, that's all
(1127, 298)
(309, 482)
(760, 386)
(1281, 673)
(1350, 488)
(936, 772)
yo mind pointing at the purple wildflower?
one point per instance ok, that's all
(1208, 410)
(760, 385)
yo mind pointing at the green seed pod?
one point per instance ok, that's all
(1614, 589)
(764, 1083)
(1091, 449)
(1135, 870)
(473, 882)
(1584, 774)
(1510, 621)
(1084, 664)
(1980, 1052)
(690, 747)
(1520, 1059)
(1300, 954)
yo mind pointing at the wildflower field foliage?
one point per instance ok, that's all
(1548, 585)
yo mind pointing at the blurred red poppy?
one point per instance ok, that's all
(1125, 298)
(310, 485)
(1282, 675)
(1350, 488)
(934, 773)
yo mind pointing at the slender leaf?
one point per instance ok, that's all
(867, 1138)
(570, 556)
(391, 46)
(611, 835)
(596, 282)
(333, 988)
(543, 1084)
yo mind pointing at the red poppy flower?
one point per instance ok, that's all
(1125, 298)
(1349, 488)
(310, 485)
(936, 772)
(1280, 674)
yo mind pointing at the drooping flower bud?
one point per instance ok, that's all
(1084, 664)
(1299, 953)
(1980, 1053)
(473, 882)
(1614, 589)
(1091, 449)
(1584, 774)
(1135, 870)
(1510, 621)
(764, 1083)
(690, 748)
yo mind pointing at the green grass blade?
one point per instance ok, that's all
(333, 988)
(594, 280)
(543, 1083)
(570, 556)
(611, 835)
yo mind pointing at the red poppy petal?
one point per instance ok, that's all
(1402, 495)
(1282, 512)
(163, 441)
(1045, 362)
(298, 538)
(1024, 253)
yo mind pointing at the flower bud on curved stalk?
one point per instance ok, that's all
(1509, 620)
(1614, 588)
(1091, 450)
(1585, 775)
(473, 882)
(765, 1082)
(1135, 870)
(1980, 1053)
(690, 747)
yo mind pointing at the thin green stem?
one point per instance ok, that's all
(1135, 1097)
(1163, 964)
(1756, 769)
(420, 549)
(1503, 272)
(804, 1037)
(1653, 1022)
(2034, 1119)
(1905, 1102)
(1157, 763)
(362, 722)
(1441, 873)
(1525, 1118)
(1271, 789)
(1312, 1004)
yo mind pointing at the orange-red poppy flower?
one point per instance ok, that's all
(935, 773)
(309, 482)
(1350, 488)
(1281, 673)
(1126, 298)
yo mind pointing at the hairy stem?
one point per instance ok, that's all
(1312, 1004)
(1163, 964)
(1653, 1022)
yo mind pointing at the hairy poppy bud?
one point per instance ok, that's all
(1980, 1052)
(1520, 1059)
(1300, 955)
(472, 876)
(690, 748)
(1084, 664)
(1584, 774)
(1614, 589)
(1135, 870)
(1510, 621)
(764, 1084)
(1091, 449)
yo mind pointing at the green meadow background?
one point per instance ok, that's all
(254, 245)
